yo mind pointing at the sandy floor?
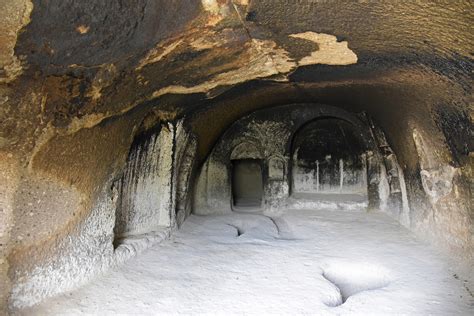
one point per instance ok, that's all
(304, 262)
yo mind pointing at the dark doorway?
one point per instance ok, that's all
(247, 183)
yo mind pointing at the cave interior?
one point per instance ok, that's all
(125, 126)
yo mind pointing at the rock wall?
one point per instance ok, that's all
(128, 215)
(445, 213)
(185, 170)
(145, 189)
(70, 261)
(9, 178)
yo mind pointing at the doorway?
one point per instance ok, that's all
(247, 182)
(328, 161)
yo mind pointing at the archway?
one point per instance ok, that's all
(328, 161)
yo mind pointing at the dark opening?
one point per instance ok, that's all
(328, 158)
(247, 183)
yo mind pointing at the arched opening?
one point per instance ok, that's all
(328, 161)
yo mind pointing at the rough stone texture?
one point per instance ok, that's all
(441, 184)
(14, 15)
(101, 240)
(75, 232)
(79, 80)
(148, 171)
(185, 169)
(9, 178)
(85, 252)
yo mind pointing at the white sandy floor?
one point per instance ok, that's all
(304, 262)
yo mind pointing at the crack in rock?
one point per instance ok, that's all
(283, 229)
(238, 230)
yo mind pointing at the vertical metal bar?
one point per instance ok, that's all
(341, 173)
(317, 176)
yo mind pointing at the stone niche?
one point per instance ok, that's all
(276, 169)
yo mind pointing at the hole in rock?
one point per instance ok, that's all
(238, 230)
(354, 278)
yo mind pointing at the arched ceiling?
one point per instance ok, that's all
(74, 65)
(86, 62)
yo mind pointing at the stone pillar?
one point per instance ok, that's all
(373, 180)
(276, 184)
(148, 192)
